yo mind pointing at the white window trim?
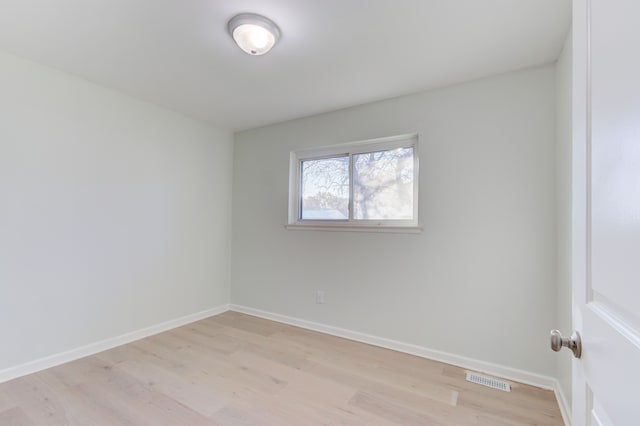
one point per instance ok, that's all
(351, 148)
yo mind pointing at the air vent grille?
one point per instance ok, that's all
(489, 382)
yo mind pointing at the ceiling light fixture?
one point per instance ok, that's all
(254, 34)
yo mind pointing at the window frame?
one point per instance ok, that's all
(350, 149)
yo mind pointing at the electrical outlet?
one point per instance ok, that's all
(320, 296)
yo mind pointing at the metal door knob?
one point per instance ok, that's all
(574, 342)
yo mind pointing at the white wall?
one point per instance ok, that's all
(478, 282)
(563, 197)
(114, 214)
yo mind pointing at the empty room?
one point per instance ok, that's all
(319, 212)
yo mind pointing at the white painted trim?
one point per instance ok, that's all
(565, 408)
(103, 345)
(349, 227)
(509, 373)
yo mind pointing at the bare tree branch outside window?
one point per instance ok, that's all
(382, 186)
(325, 189)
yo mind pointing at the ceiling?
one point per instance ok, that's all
(332, 53)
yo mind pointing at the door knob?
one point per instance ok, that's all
(574, 342)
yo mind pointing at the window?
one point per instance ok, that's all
(361, 185)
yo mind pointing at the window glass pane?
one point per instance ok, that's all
(325, 189)
(383, 185)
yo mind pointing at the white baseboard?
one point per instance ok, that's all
(93, 348)
(513, 374)
(497, 370)
(565, 406)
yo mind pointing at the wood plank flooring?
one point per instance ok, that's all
(235, 369)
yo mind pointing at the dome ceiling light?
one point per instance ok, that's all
(254, 34)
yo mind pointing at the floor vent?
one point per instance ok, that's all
(488, 381)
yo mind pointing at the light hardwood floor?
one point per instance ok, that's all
(234, 369)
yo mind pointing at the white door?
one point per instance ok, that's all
(606, 211)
